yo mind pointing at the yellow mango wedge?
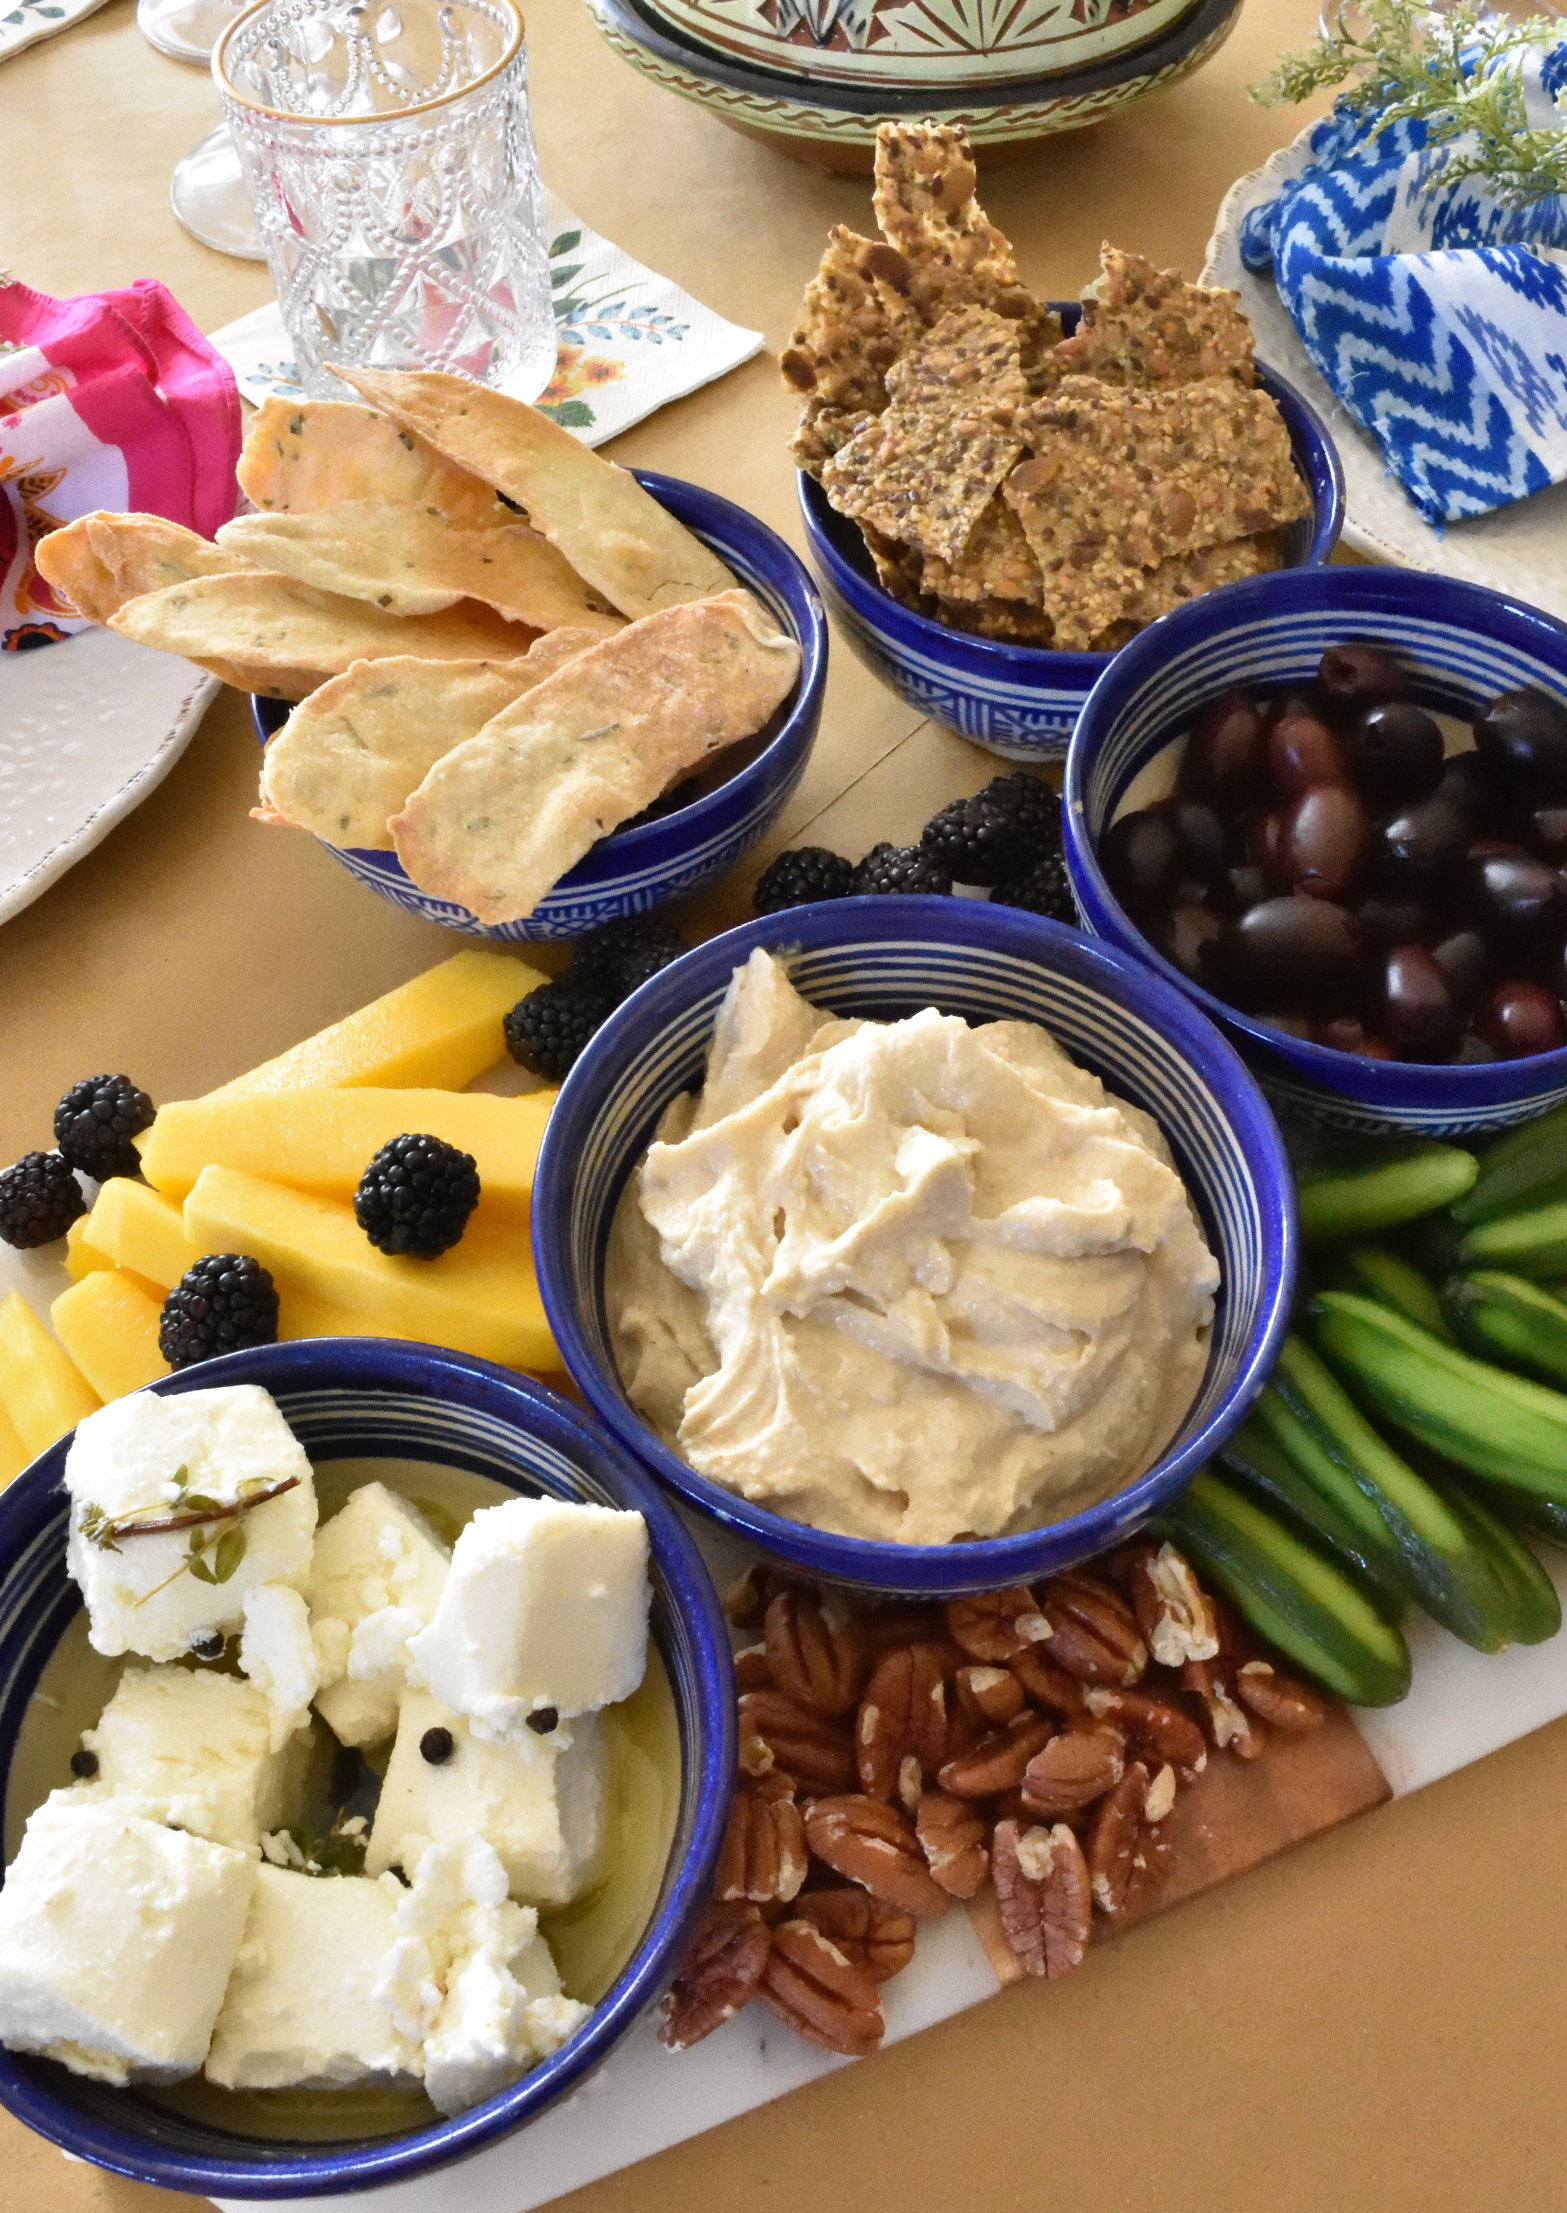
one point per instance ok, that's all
(109, 1326)
(323, 1140)
(479, 1298)
(439, 1030)
(303, 1314)
(81, 1256)
(14, 1455)
(143, 1232)
(42, 1391)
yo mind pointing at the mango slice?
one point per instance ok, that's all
(41, 1390)
(14, 1455)
(81, 1256)
(303, 1314)
(109, 1326)
(479, 1298)
(323, 1140)
(143, 1232)
(440, 1030)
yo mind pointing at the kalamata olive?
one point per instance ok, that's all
(1343, 1033)
(1325, 842)
(1550, 968)
(1303, 751)
(1141, 856)
(1514, 897)
(1290, 949)
(1204, 834)
(1261, 829)
(1465, 784)
(1421, 846)
(1522, 738)
(1359, 674)
(1518, 1017)
(1473, 1052)
(1395, 753)
(1241, 886)
(1544, 831)
(1466, 960)
(1226, 757)
(1388, 920)
(1294, 699)
(1183, 933)
(1419, 1010)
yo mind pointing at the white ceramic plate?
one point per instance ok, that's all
(1517, 549)
(87, 728)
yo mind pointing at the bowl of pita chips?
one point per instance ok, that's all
(513, 688)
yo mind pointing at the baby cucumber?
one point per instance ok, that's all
(1492, 1423)
(1291, 1593)
(1376, 1273)
(1360, 1196)
(1537, 1611)
(1528, 1244)
(1525, 1169)
(1332, 1513)
(1506, 1318)
(1319, 1425)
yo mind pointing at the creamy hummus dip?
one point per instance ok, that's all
(906, 1280)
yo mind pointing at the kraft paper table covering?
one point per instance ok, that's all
(1372, 2022)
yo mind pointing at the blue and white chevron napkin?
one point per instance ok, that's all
(1438, 317)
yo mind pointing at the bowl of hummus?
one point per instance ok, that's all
(927, 1246)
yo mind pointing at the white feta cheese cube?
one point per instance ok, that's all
(141, 1458)
(376, 1579)
(116, 1941)
(277, 1653)
(471, 1977)
(300, 2008)
(195, 1751)
(542, 1808)
(546, 1605)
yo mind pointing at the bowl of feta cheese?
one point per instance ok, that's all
(366, 1722)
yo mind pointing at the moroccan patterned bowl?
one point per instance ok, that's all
(369, 1399)
(1021, 701)
(690, 845)
(885, 958)
(1464, 644)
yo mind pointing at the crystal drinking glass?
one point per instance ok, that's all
(390, 158)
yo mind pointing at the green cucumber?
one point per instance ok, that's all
(1334, 1514)
(1526, 1168)
(1320, 1426)
(1532, 1244)
(1290, 1593)
(1356, 1197)
(1508, 1319)
(1376, 1273)
(1481, 1417)
(1537, 1611)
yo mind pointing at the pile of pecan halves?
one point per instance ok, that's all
(893, 1757)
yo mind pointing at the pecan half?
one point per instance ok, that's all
(763, 1855)
(820, 1993)
(751, 1669)
(1112, 1839)
(745, 1600)
(818, 1663)
(1281, 1700)
(813, 1748)
(1150, 1865)
(874, 1936)
(1072, 1770)
(1173, 1611)
(1228, 1723)
(997, 1762)
(952, 1837)
(875, 1847)
(1152, 1726)
(902, 1717)
(901, 1621)
(1042, 1890)
(990, 1695)
(1050, 1687)
(723, 1964)
(1094, 1635)
(996, 1625)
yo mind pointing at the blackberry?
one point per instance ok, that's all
(1044, 890)
(618, 956)
(226, 1302)
(416, 1195)
(900, 868)
(998, 833)
(39, 1199)
(95, 1122)
(795, 879)
(546, 1031)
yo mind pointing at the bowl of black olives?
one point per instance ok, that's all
(1331, 805)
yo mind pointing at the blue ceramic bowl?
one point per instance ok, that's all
(691, 845)
(365, 1398)
(1021, 701)
(1463, 644)
(885, 958)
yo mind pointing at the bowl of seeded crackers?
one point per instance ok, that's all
(999, 492)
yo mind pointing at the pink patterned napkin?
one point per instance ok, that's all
(111, 400)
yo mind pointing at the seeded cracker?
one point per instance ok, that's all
(1143, 325)
(995, 564)
(854, 321)
(821, 430)
(899, 569)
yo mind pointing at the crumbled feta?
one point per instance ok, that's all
(195, 1751)
(300, 2008)
(540, 1806)
(471, 1977)
(376, 1579)
(277, 1653)
(546, 1605)
(127, 1460)
(116, 1940)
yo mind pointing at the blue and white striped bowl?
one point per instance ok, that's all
(1463, 644)
(373, 1398)
(633, 870)
(1021, 701)
(886, 958)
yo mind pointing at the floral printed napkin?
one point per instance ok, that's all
(630, 341)
(24, 22)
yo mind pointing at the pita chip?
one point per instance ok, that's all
(303, 454)
(102, 560)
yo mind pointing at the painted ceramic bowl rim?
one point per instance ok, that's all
(1388, 1084)
(687, 824)
(1122, 982)
(31, 1502)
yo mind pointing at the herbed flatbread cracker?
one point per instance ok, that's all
(349, 756)
(303, 454)
(411, 561)
(502, 817)
(615, 535)
(1143, 325)
(102, 560)
(855, 319)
